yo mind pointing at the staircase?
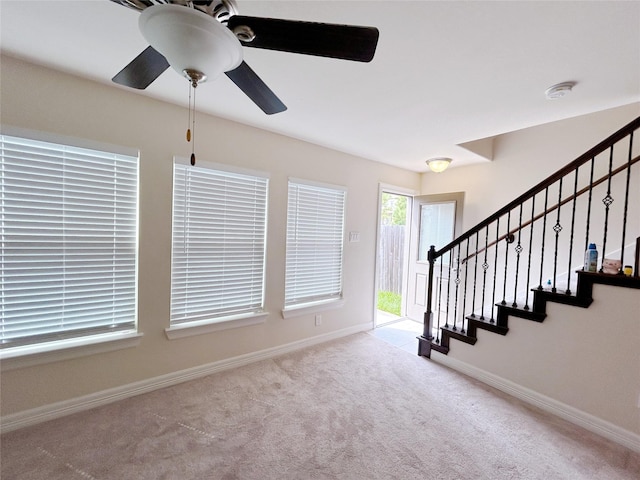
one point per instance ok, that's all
(530, 252)
(538, 313)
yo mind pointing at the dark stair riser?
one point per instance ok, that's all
(476, 323)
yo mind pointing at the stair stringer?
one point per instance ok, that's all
(583, 298)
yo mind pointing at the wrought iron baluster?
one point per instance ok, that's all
(485, 267)
(455, 302)
(626, 204)
(439, 300)
(544, 234)
(495, 271)
(573, 222)
(518, 252)
(464, 289)
(475, 277)
(557, 228)
(509, 239)
(607, 200)
(448, 289)
(586, 237)
(533, 210)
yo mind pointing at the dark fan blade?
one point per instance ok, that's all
(143, 70)
(253, 86)
(320, 39)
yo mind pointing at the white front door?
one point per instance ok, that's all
(435, 220)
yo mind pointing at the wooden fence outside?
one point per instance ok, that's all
(390, 258)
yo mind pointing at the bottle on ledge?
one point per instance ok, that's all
(591, 259)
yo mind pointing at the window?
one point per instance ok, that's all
(219, 237)
(315, 226)
(68, 227)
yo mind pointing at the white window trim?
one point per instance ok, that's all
(215, 325)
(312, 307)
(55, 351)
(222, 167)
(306, 308)
(312, 183)
(193, 328)
(67, 140)
(30, 355)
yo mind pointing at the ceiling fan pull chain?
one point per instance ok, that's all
(193, 126)
(189, 121)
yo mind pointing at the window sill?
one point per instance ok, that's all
(30, 355)
(307, 308)
(207, 326)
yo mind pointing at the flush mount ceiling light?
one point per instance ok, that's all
(438, 165)
(560, 90)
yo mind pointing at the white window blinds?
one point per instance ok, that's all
(68, 225)
(315, 226)
(219, 232)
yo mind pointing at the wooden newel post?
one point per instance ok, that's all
(424, 342)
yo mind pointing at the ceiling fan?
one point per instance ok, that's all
(203, 38)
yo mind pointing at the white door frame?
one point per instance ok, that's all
(395, 190)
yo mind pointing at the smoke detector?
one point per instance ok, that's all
(560, 90)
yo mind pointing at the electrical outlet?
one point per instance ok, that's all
(318, 320)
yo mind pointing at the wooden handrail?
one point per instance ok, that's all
(613, 173)
(581, 160)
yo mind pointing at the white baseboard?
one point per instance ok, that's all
(594, 424)
(86, 402)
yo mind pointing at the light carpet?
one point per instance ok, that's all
(355, 408)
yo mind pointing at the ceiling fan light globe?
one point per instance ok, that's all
(190, 39)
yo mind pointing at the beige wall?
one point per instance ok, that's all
(523, 158)
(40, 99)
(44, 100)
(587, 359)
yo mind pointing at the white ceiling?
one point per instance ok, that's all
(445, 72)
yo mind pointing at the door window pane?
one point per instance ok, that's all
(437, 222)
